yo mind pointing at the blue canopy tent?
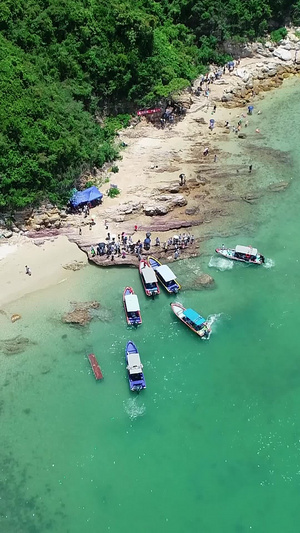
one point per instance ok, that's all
(87, 196)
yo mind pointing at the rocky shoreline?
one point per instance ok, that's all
(157, 203)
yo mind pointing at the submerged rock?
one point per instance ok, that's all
(280, 186)
(15, 345)
(204, 281)
(81, 313)
(77, 265)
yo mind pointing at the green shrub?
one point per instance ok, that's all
(115, 169)
(113, 192)
(279, 34)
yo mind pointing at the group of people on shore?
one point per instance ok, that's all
(125, 245)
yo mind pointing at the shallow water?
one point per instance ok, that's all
(213, 443)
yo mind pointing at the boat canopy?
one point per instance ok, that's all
(134, 365)
(148, 274)
(197, 319)
(166, 273)
(247, 250)
(132, 303)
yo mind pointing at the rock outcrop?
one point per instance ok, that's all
(161, 205)
(204, 281)
(81, 313)
(16, 345)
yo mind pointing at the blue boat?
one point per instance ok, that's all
(192, 320)
(164, 275)
(134, 368)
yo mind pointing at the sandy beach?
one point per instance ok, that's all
(46, 263)
(150, 194)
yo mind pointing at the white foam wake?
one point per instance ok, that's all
(133, 409)
(212, 319)
(220, 263)
(269, 263)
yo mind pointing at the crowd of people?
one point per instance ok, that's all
(124, 244)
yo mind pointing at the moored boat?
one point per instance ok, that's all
(165, 275)
(148, 278)
(134, 368)
(95, 366)
(131, 307)
(246, 254)
(193, 320)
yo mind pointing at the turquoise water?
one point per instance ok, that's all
(213, 443)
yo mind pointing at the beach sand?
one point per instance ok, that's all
(45, 261)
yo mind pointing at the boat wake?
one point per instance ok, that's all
(220, 263)
(269, 263)
(212, 319)
(133, 409)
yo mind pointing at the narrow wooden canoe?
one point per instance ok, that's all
(95, 366)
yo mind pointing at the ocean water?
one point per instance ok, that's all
(213, 443)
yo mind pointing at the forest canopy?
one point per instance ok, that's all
(64, 62)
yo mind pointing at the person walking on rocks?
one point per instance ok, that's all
(250, 168)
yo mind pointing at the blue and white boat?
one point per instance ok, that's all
(165, 275)
(134, 368)
(192, 320)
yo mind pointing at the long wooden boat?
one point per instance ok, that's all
(246, 254)
(192, 320)
(131, 307)
(134, 367)
(149, 279)
(165, 275)
(95, 366)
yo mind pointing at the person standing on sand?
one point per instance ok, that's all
(215, 158)
(182, 179)
(27, 270)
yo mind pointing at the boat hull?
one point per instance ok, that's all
(135, 385)
(148, 291)
(178, 310)
(228, 253)
(132, 319)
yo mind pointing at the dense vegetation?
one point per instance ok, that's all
(65, 62)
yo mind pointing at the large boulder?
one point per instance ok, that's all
(161, 205)
(283, 54)
(242, 73)
(227, 97)
(152, 210)
(6, 233)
